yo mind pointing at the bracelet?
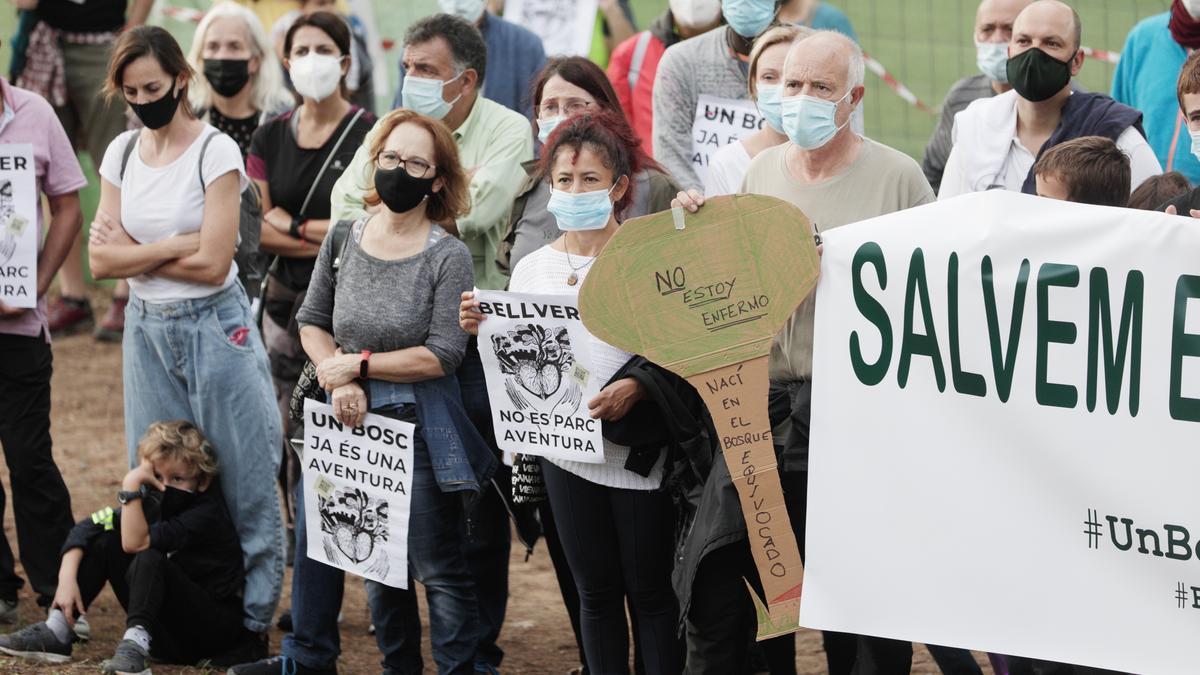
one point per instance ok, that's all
(294, 230)
(304, 230)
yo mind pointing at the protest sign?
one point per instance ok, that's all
(705, 302)
(539, 375)
(19, 240)
(719, 122)
(1006, 393)
(357, 490)
(566, 27)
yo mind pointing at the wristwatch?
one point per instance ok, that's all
(362, 366)
(126, 496)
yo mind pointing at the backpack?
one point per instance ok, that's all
(252, 263)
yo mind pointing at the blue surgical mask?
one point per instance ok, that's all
(1195, 143)
(770, 97)
(546, 127)
(810, 122)
(424, 95)
(748, 18)
(576, 211)
(992, 59)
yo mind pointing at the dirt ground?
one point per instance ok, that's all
(90, 450)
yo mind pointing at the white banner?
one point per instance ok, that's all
(539, 375)
(1006, 392)
(719, 122)
(357, 491)
(566, 27)
(19, 240)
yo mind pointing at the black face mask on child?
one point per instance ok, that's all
(176, 501)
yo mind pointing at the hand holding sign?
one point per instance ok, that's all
(705, 302)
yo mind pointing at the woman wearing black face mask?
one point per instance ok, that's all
(168, 221)
(389, 328)
(240, 84)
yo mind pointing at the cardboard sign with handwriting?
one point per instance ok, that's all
(705, 302)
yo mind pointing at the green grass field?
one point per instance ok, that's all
(926, 44)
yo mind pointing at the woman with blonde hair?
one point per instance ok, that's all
(239, 82)
(385, 339)
(728, 166)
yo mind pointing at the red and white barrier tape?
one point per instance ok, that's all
(1101, 55)
(194, 15)
(896, 85)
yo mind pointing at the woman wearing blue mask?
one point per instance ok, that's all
(615, 521)
(570, 86)
(728, 166)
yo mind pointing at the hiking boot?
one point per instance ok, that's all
(250, 648)
(278, 665)
(36, 642)
(8, 612)
(112, 324)
(128, 659)
(68, 316)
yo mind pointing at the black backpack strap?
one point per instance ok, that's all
(203, 147)
(341, 238)
(129, 146)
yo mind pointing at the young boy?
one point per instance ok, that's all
(171, 554)
(1188, 92)
(1088, 170)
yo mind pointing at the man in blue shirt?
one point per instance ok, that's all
(516, 51)
(1145, 79)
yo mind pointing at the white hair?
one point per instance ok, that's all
(269, 95)
(856, 72)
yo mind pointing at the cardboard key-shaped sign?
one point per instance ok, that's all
(703, 296)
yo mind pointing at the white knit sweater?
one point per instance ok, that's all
(546, 271)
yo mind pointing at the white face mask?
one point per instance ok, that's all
(696, 13)
(316, 76)
(470, 10)
(1192, 7)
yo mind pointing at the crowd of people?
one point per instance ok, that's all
(273, 235)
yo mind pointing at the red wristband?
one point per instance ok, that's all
(362, 366)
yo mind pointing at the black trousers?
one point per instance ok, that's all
(487, 547)
(185, 622)
(41, 503)
(618, 543)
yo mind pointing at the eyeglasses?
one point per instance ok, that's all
(415, 166)
(551, 108)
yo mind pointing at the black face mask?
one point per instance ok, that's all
(158, 114)
(176, 501)
(227, 76)
(400, 191)
(1038, 76)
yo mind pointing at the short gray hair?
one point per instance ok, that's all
(467, 47)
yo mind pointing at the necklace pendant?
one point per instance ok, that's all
(572, 279)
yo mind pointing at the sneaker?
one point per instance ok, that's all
(36, 642)
(8, 612)
(82, 629)
(278, 665)
(128, 659)
(112, 324)
(251, 647)
(69, 315)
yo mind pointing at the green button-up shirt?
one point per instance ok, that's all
(494, 141)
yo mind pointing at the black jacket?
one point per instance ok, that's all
(709, 514)
(201, 540)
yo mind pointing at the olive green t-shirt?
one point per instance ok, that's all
(879, 181)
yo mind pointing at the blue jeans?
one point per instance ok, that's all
(179, 363)
(435, 558)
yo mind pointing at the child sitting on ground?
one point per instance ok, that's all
(1088, 170)
(171, 554)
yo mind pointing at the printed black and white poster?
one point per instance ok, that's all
(18, 226)
(357, 490)
(539, 376)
